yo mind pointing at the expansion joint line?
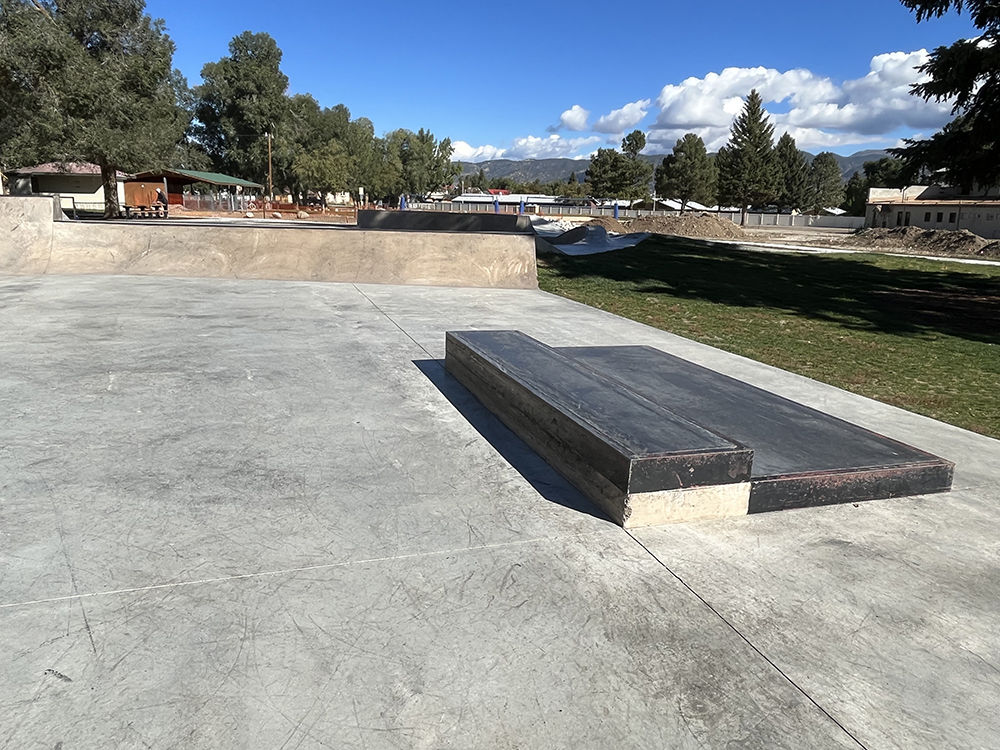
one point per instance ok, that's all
(747, 641)
(390, 319)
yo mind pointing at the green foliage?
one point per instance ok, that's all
(747, 173)
(885, 173)
(425, 162)
(826, 189)
(793, 175)
(688, 174)
(88, 81)
(969, 72)
(325, 169)
(241, 100)
(855, 195)
(614, 174)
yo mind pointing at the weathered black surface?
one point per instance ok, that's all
(434, 221)
(802, 457)
(605, 438)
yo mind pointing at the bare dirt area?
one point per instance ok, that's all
(910, 240)
(180, 212)
(947, 242)
(699, 225)
(611, 225)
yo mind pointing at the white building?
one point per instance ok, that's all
(78, 184)
(933, 207)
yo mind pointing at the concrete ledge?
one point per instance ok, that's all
(682, 506)
(802, 457)
(636, 459)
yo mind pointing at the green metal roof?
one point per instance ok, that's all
(212, 178)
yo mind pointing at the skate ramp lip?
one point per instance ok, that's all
(434, 221)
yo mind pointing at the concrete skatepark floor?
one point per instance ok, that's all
(253, 514)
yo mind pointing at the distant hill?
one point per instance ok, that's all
(548, 170)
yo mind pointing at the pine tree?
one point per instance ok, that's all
(793, 174)
(968, 149)
(747, 174)
(826, 187)
(688, 174)
(855, 195)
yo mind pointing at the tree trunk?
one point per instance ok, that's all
(743, 216)
(109, 180)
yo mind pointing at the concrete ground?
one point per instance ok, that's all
(253, 514)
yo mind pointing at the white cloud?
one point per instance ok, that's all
(551, 147)
(530, 147)
(465, 152)
(620, 120)
(574, 118)
(821, 113)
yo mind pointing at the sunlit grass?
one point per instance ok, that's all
(920, 334)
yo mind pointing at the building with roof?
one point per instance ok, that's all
(934, 207)
(78, 183)
(140, 190)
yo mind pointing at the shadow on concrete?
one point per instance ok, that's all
(850, 291)
(546, 480)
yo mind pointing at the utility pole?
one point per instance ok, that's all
(270, 175)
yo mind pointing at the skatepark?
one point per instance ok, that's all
(247, 502)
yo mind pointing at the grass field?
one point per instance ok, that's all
(920, 334)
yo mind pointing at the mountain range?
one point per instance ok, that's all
(549, 170)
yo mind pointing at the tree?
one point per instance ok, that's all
(621, 174)
(608, 173)
(968, 150)
(747, 174)
(241, 102)
(88, 81)
(572, 179)
(325, 169)
(688, 174)
(793, 174)
(855, 195)
(826, 188)
(885, 173)
(426, 163)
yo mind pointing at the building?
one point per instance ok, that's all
(78, 184)
(141, 189)
(934, 207)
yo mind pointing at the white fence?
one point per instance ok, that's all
(753, 219)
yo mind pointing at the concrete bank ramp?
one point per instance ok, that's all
(33, 241)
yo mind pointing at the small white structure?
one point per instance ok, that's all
(78, 184)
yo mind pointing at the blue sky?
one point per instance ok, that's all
(554, 78)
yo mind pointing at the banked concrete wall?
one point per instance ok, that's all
(33, 241)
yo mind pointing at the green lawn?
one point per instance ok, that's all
(920, 334)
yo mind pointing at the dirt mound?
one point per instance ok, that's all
(611, 225)
(923, 241)
(688, 225)
(991, 250)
